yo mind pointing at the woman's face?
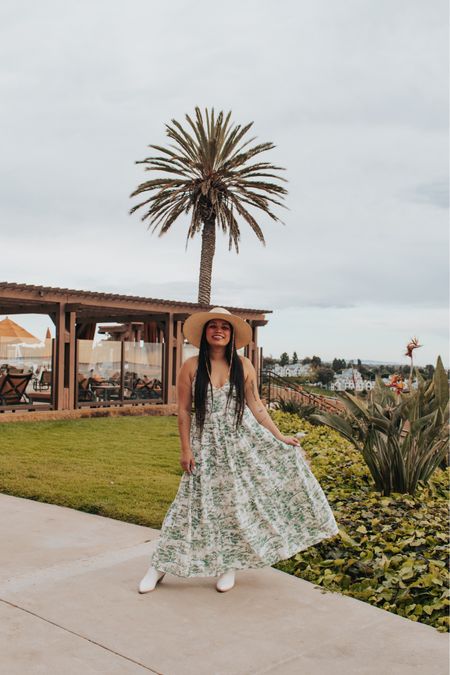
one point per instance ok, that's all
(218, 332)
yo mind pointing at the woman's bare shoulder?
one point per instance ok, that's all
(189, 367)
(246, 365)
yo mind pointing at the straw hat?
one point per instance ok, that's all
(193, 326)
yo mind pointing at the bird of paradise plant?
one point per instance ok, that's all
(396, 382)
(209, 171)
(413, 344)
(402, 441)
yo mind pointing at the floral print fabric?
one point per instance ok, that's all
(250, 501)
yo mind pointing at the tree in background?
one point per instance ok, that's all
(338, 365)
(316, 361)
(268, 361)
(324, 375)
(208, 170)
(294, 357)
(284, 359)
(428, 371)
(365, 371)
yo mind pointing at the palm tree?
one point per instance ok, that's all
(210, 172)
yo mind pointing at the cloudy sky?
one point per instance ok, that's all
(354, 96)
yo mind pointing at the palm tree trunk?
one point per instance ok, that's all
(206, 261)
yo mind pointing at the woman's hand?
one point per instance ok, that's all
(187, 460)
(290, 440)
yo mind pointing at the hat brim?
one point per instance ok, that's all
(193, 327)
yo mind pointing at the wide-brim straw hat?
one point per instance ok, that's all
(193, 326)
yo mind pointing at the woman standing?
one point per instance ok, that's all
(247, 498)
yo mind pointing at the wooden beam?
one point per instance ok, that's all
(102, 317)
(25, 308)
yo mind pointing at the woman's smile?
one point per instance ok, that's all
(218, 332)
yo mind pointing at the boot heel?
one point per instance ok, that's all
(151, 578)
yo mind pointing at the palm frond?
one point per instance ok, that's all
(210, 171)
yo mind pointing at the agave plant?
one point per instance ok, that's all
(402, 442)
(303, 410)
(209, 171)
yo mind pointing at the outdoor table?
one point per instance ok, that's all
(104, 391)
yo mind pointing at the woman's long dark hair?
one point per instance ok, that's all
(202, 380)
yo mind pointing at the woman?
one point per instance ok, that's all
(247, 498)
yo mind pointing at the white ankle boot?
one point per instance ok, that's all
(226, 581)
(150, 580)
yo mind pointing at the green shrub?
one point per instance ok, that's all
(392, 551)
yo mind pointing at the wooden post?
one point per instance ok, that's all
(69, 365)
(179, 352)
(255, 348)
(168, 363)
(260, 369)
(63, 378)
(59, 360)
(250, 349)
(122, 370)
(77, 384)
(53, 391)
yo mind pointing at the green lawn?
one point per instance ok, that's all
(392, 552)
(309, 387)
(125, 468)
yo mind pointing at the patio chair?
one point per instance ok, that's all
(12, 388)
(44, 382)
(85, 392)
(149, 389)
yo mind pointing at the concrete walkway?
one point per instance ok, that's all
(69, 606)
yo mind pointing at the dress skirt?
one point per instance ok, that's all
(250, 501)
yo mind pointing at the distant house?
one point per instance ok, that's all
(346, 380)
(349, 379)
(291, 369)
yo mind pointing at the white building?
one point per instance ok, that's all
(349, 378)
(353, 380)
(291, 370)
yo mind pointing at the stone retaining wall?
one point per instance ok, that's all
(46, 415)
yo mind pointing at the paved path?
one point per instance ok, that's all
(69, 606)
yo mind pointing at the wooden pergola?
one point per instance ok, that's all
(76, 313)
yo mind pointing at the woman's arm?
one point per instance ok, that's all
(184, 400)
(258, 408)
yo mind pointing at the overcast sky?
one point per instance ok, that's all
(354, 96)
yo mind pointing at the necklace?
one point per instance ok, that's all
(209, 373)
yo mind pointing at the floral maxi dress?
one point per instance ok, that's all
(250, 501)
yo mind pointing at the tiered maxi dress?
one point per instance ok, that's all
(250, 501)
